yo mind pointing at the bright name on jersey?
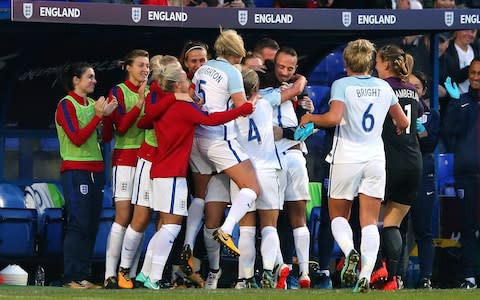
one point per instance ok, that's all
(367, 92)
(212, 73)
(469, 19)
(58, 12)
(406, 93)
(273, 18)
(377, 19)
(169, 16)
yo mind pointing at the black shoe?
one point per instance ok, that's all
(110, 283)
(466, 284)
(424, 283)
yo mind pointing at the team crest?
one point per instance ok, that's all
(136, 14)
(243, 17)
(84, 189)
(346, 18)
(28, 10)
(449, 18)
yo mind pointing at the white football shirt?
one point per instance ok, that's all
(367, 100)
(215, 82)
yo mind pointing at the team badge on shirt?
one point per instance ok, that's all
(84, 189)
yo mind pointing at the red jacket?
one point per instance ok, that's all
(175, 129)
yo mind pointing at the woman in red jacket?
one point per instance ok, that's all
(175, 127)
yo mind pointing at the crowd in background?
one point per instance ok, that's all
(360, 4)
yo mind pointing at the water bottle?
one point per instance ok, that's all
(40, 276)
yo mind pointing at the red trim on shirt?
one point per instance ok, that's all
(175, 131)
(147, 152)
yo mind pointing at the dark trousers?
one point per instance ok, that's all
(83, 204)
(325, 237)
(421, 216)
(466, 187)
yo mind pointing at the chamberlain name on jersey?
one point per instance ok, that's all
(367, 100)
(214, 83)
(255, 135)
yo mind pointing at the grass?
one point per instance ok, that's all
(33, 292)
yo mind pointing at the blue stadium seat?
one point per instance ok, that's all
(51, 243)
(49, 144)
(107, 196)
(320, 94)
(12, 144)
(18, 228)
(150, 232)
(330, 68)
(107, 217)
(11, 196)
(445, 177)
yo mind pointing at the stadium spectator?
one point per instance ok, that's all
(461, 133)
(266, 48)
(458, 56)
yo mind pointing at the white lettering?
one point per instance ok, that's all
(173, 16)
(406, 93)
(376, 19)
(469, 19)
(58, 12)
(273, 18)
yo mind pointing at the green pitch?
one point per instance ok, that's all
(32, 292)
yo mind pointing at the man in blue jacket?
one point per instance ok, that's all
(462, 138)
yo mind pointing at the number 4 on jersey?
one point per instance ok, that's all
(253, 133)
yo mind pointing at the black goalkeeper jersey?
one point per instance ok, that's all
(403, 151)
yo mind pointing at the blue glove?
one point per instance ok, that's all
(452, 89)
(420, 127)
(302, 133)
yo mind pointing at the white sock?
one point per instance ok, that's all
(194, 220)
(147, 261)
(114, 248)
(162, 245)
(240, 206)
(212, 247)
(279, 256)
(131, 243)
(246, 245)
(136, 259)
(326, 272)
(269, 247)
(301, 237)
(369, 250)
(342, 232)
